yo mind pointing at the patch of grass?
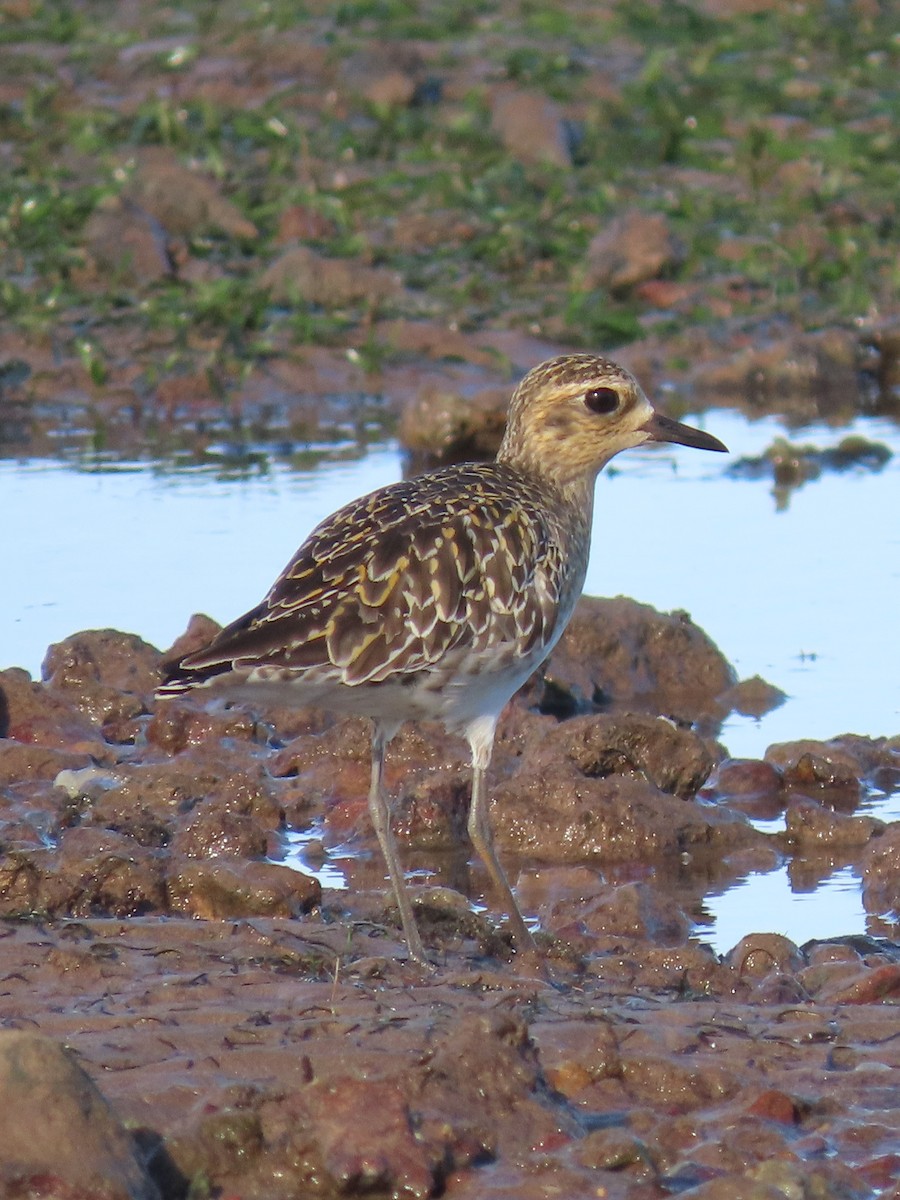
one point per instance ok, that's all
(595, 319)
(742, 127)
(557, 73)
(410, 18)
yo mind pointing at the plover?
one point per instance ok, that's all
(437, 597)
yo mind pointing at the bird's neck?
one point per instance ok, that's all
(574, 490)
(569, 503)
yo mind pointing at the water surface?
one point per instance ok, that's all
(806, 596)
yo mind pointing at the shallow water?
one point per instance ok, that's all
(761, 902)
(806, 596)
(833, 909)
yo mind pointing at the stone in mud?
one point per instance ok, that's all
(426, 772)
(20, 763)
(635, 911)
(432, 808)
(224, 888)
(689, 969)
(58, 1135)
(201, 629)
(32, 715)
(151, 795)
(183, 200)
(560, 814)
(747, 785)
(299, 274)
(753, 697)
(878, 758)
(225, 1145)
(743, 779)
(574, 1056)
(760, 954)
(332, 765)
(657, 1079)
(97, 872)
(355, 1133)
(22, 834)
(531, 126)
(779, 988)
(21, 873)
(835, 1180)
(213, 832)
(633, 248)
(399, 1131)
(674, 760)
(482, 1066)
(93, 872)
(809, 825)
(365, 1136)
(445, 918)
(107, 675)
(613, 1150)
(831, 967)
(881, 872)
(123, 662)
(637, 921)
(877, 984)
(125, 245)
(711, 1185)
(178, 725)
(617, 652)
(819, 768)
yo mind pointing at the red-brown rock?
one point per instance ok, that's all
(223, 888)
(58, 1135)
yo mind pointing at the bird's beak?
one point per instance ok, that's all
(664, 429)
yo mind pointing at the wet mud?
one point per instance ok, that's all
(183, 1010)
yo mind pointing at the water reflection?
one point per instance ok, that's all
(772, 902)
(801, 899)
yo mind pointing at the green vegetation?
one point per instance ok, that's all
(766, 140)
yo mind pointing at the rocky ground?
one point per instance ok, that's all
(260, 1037)
(235, 233)
(283, 230)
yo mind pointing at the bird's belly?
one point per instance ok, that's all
(456, 691)
(455, 699)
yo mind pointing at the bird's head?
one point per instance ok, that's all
(571, 415)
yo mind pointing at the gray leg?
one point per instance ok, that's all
(381, 819)
(481, 741)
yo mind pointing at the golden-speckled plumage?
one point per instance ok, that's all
(474, 562)
(437, 597)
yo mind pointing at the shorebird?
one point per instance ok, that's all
(437, 597)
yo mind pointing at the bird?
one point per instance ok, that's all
(436, 597)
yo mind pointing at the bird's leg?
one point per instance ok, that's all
(380, 813)
(479, 827)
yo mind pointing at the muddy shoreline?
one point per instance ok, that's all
(254, 1031)
(237, 234)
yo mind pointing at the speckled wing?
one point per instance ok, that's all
(389, 584)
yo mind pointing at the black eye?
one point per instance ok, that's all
(602, 400)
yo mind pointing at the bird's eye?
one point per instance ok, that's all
(603, 400)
